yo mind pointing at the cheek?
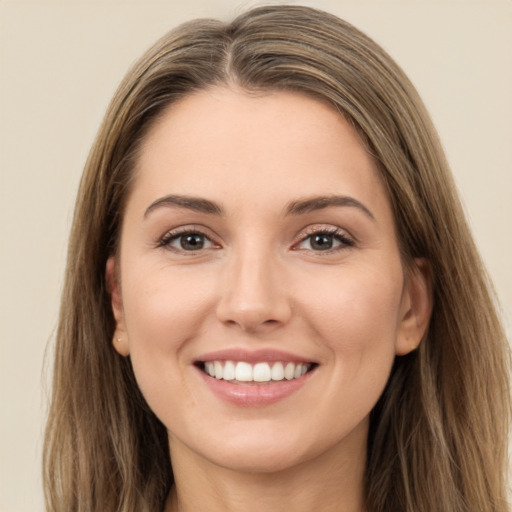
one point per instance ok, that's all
(163, 311)
(357, 321)
(358, 307)
(162, 305)
(356, 317)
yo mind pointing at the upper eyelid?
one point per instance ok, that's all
(325, 228)
(189, 228)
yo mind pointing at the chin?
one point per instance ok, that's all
(265, 448)
(263, 460)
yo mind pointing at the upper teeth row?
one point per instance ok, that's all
(260, 372)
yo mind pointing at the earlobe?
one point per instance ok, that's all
(120, 337)
(416, 309)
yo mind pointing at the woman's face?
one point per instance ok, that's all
(258, 245)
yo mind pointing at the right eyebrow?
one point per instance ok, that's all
(196, 204)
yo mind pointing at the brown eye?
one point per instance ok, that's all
(321, 242)
(191, 241)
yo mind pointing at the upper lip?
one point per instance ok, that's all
(252, 356)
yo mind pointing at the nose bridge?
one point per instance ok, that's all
(252, 294)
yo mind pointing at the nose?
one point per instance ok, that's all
(254, 297)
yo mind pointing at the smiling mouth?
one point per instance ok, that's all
(259, 373)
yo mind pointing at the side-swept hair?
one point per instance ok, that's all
(438, 435)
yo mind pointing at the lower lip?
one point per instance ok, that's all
(254, 395)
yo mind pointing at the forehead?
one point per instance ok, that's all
(225, 143)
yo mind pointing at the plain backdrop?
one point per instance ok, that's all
(60, 62)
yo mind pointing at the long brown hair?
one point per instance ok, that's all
(438, 436)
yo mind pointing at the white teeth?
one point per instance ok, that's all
(210, 369)
(243, 372)
(277, 371)
(260, 372)
(217, 365)
(289, 371)
(229, 370)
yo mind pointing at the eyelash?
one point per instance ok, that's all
(338, 234)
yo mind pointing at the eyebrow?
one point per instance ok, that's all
(312, 204)
(299, 207)
(196, 204)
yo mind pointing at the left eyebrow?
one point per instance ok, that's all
(312, 204)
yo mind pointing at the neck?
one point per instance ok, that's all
(330, 482)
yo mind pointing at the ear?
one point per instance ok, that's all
(416, 307)
(120, 338)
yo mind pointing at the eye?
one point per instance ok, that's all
(188, 241)
(325, 240)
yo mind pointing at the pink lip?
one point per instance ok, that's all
(253, 395)
(252, 356)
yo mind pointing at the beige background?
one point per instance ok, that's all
(60, 62)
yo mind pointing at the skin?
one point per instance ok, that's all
(259, 282)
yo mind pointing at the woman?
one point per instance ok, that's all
(272, 298)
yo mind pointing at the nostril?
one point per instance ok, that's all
(254, 324)
(251, 321)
